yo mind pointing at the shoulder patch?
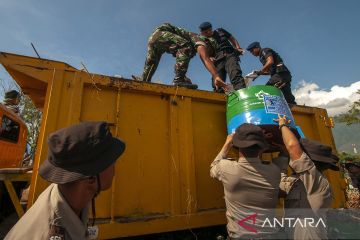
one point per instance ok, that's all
(93, 232)
(56, 233)
(263, 52)
(200, 43)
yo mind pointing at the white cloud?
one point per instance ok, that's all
(336, 100)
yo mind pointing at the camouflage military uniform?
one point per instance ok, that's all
(176, 41)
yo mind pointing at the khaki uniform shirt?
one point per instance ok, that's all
(308, 195)
(250, 186)
(316, 186)
(50, 218)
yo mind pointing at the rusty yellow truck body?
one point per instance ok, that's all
(13, 134)
(172, 135)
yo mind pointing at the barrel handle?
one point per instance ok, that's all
(231, 98)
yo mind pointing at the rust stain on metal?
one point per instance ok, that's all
(148, 217)
(25, 65)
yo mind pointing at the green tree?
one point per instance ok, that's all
(346, 157)
(353, 115)
(32, 117)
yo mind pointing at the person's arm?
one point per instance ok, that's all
(233, 41)
(300, 162)
(292, 144)
(268, 64)
(210, 67)
(236, 45)
(268, 55)
(215, 170)
(282, 160)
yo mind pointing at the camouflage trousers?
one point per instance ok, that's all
(161, 42)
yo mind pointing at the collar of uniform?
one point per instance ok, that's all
(260, 52)
(76, 227)
(252, 159)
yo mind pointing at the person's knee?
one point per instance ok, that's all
(234, 70)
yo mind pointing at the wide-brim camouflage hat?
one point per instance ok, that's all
(80, 151)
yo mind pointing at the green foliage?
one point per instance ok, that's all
(353, 115)
(32, 117)
(345, 136)
(346, 157)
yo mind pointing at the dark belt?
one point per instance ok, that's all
(223, 53)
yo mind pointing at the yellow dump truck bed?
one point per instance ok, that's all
(162, 181)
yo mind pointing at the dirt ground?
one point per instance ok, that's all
(7, 223)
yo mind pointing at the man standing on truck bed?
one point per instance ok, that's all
(80, 164)
(183, 45)
(251, 186)
(227, 54)
(274, 66)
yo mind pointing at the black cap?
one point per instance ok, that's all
(13, 94)
(80, 151)
(352, 163)
(205, 26)
(319, 153)
(247, 135)
(253, 45)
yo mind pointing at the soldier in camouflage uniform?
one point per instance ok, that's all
(183, 45)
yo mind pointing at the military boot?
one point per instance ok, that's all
(136, 78)
(184, 82)
(239, 84)
(186, 79)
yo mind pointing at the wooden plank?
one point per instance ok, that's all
(14, 198)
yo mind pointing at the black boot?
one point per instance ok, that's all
(136, 78)
(184, 82)
(219, 90)
(240, 84)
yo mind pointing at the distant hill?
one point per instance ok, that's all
(345, 136)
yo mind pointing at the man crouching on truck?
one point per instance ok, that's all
(80, 164)
(183, 45)
(251, 186)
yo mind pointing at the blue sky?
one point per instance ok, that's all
(317, 39)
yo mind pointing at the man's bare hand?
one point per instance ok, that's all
(229, 139)
(240, 50)
(219, 83)
(282, 120)
(280, 84)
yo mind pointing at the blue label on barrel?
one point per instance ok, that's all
(258, 105)
(276, 105)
